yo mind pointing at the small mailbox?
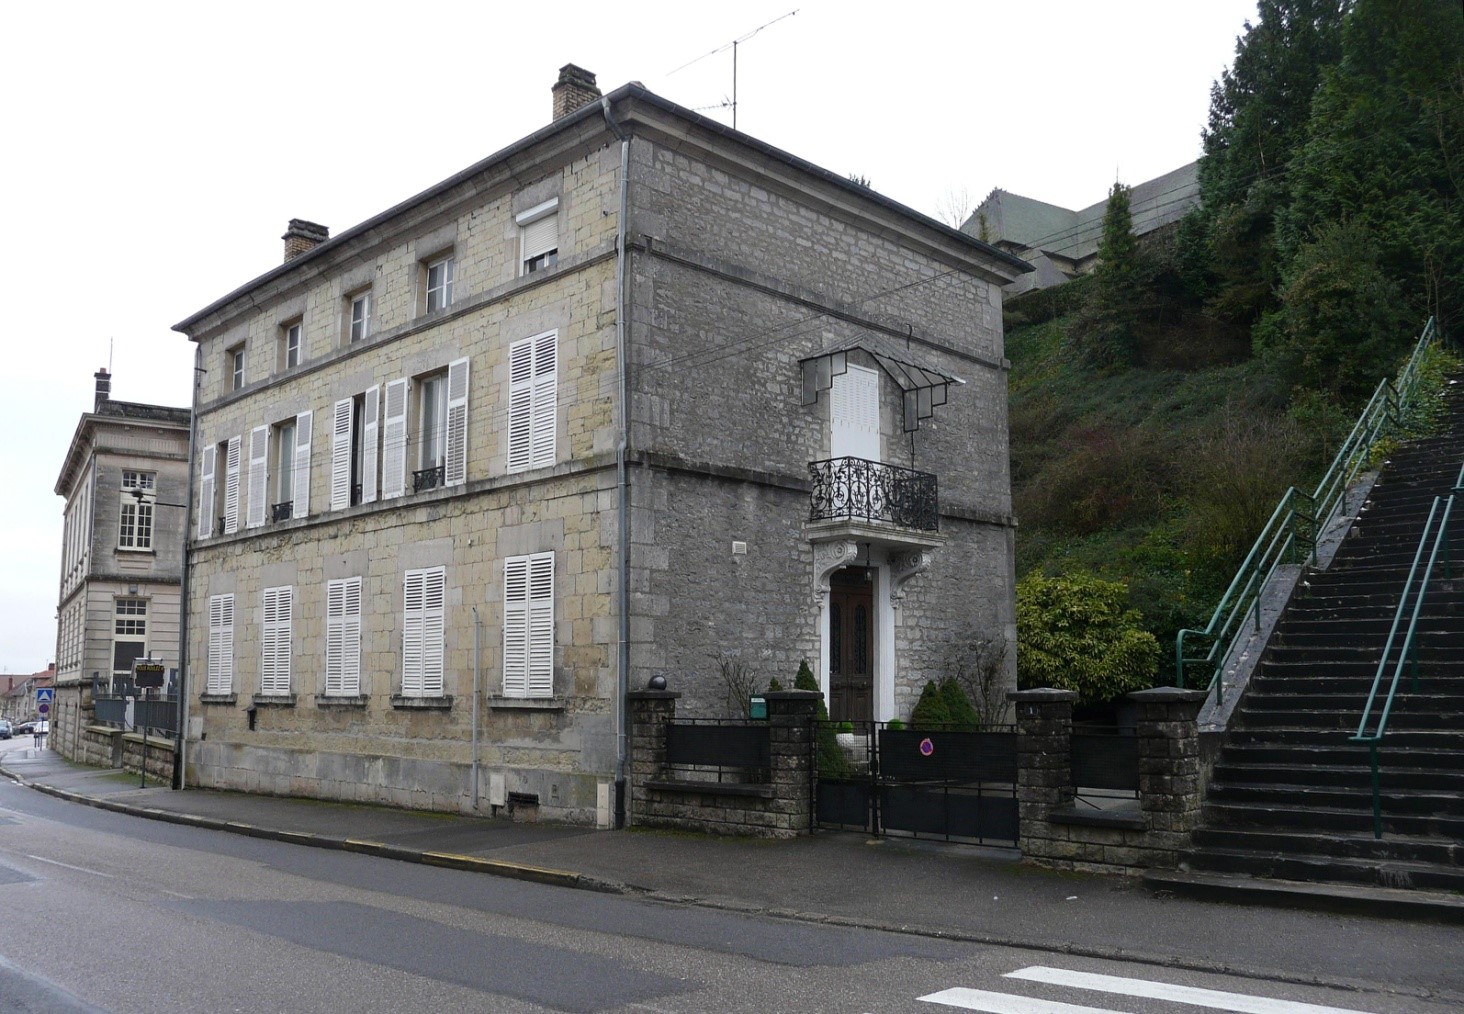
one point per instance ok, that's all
(757, 708)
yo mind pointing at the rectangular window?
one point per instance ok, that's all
(135, 522)
(220, 644)
(290, 335)
(234, 366)
(538, 237)
(129, 634)
(533, 406)
(360, 317)
(528, 626)
(274, 669)
(284, 456)
(422, 632)
(439, 283)
(207, 508)
(343, 637)
(432, 426)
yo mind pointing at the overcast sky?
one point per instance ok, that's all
(157, 150)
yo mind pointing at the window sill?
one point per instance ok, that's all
(138, 550)
(218, 698)
(443, 703)
(274, 700)
(341, 700)
(527, 703)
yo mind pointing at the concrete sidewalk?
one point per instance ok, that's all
(899, 885)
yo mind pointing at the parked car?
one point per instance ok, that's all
(24, 729)
(5, 729)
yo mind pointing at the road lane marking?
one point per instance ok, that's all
(1006, 1003)
(1192, 995)
(78, 869)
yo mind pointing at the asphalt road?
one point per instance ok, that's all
(108, 912)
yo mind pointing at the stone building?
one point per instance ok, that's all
(638, 395)
(121, 549)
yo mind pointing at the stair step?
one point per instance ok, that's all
(1353, 773)
(1395, 802)
(1321, 756)
(1332, 869)
(1304, 841)
(1227, 813)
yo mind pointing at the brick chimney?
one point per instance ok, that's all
(575, 88)
(104, 388)
(302, 237)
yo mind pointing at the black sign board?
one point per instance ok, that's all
(147, 674)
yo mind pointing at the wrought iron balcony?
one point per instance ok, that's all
(428, 478)
(282, 511)
(855, 488)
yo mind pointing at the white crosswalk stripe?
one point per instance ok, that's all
(1007, 1003)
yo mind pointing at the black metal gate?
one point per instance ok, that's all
(957, 785)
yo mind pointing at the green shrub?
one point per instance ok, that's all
(894, 724)
(959, 711)
(829, 754)
(930, 711)
(1075, 633)
(774, 687)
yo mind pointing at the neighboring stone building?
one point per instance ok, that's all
(1062, 244)
(121, 551)
(18, 694)
(415, 475)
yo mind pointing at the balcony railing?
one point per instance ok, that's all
(282, 511)
(428, 478)
(849, 488)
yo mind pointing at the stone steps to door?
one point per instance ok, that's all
(1304, 841)
(1303, 756)
(1426, 876)
(1235, 813)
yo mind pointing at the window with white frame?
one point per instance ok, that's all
(218, 488)
(135, 518)
(129, 634)
(234, 366)
(279, 470)
(358, 317)
(423, 631)
(354, 450)
(533, 401)
(343, 637)
(538, 237)
(290, 336)
(528, 626)
(439, 274)
(220, 678)
(274, 668)
(437, 453)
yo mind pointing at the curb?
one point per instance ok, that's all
(447, 860)
(1372, 902)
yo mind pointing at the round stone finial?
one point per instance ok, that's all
(656, 683)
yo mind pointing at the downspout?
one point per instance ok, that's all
(622, 490)
(477, 703)
(180, 736)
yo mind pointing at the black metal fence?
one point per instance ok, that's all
(950, 783)
(1105, 762)
(719, 750)
(848, 488)
(156, 714)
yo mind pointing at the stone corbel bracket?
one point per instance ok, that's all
(829, 557)
(903, 567)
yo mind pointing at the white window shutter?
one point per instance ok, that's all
(394, 441)
(206, 493)
(335, 629)
(370, 425)
(303, 423)
(220, 644)
(434, 589)
(541, 625)
(231, 487)
(456, 471)
(274, 673)
(412, 618)
(516, 626)
(854, 415)
(520, 404)
(340, 455)
(258, 476)
(545, 399)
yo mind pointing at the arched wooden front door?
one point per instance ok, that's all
(851, 645)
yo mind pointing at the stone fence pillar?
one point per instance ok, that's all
(651, 711)
(1044, 767)
(791, 735)
(1169, 769)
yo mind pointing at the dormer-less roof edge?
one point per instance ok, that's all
(592, 111)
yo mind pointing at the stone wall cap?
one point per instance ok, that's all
(1167, 695)
(1041, 695)
(653, 695)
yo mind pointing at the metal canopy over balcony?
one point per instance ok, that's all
(924, 389)
(849, 489)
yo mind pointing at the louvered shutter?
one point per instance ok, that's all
(340, 455)
(301, 484)
(516, 627)
(541, 625)
(274, 674)
(520, 403)
(258, 476)
(434, 588)
(394, 441)
(855, 415)
(206, 493)
(343, 637)
(370, 410)
(456, 471)
(220, 644)
(545, 399)
(231, 487)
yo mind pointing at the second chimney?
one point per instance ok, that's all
(104, 388)
(575, 88)
(302, 237)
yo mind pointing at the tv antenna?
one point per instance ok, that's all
(732, 46)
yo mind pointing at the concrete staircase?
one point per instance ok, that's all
(1290, 797)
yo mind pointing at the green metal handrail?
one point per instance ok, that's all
(1298, 521)
(1408, 656)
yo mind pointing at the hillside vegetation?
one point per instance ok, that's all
(1160, 407)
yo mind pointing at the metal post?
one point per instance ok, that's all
(143, 765)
